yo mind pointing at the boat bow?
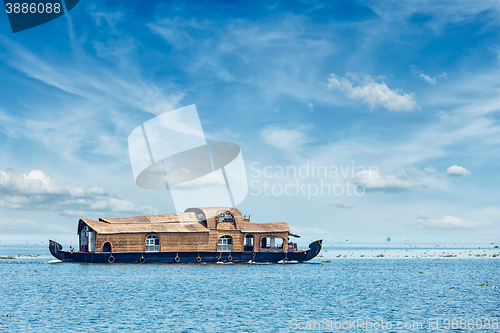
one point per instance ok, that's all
(56, 249)
(314, 249)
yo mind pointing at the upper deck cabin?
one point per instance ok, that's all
(217, 229)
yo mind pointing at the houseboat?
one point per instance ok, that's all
(199, 235)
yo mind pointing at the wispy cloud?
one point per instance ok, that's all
(427, 78)
(444, 75)
(400, 181)
(28, 226)
(289, 140)
(310, 106)
(444, 13)
(372, 93)
(95, 105)
(448, 222)
(253, 55)
(99, 84)
(430, 169)
(341, 204)
(308, 231)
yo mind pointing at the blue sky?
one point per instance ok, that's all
(411, 88)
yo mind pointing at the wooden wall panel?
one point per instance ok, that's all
(122, 242)
(258, 238)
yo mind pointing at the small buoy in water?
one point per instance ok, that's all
(388, 239)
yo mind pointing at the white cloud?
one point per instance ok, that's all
(430, 169)
(374, 181)
(38, 191)
(372, 93)
(415, 171)
(427, 78)
(456, 170)
(444, 75)
(341, 204)
(36, 182)
(283, 138)
(423, 216)
(310, 106)
(448, 222)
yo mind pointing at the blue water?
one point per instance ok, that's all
(40, 296)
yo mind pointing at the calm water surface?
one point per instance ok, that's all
(40, 297)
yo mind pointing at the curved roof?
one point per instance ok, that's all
(215, 211)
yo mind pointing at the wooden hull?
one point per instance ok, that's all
(184, 257)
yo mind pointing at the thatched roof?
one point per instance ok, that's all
(163, 218)
(139, 227)
(265, 227)
(181, 222)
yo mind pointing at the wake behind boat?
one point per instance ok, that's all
(200, 234)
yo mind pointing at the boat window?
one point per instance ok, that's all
(152, 244)
(271, 243)
(106, 247)
(265, 243)
(248, 245)
(278, 243)
(226, 217)
(225, 244)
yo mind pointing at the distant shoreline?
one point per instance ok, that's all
(406, 253)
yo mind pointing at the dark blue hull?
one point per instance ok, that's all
(184, 257)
